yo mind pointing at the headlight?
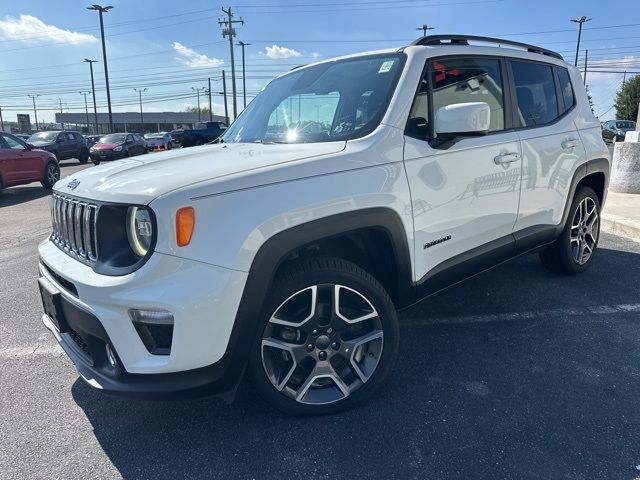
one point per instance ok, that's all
(139, 230)
(117, 149)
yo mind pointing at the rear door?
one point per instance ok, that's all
(464, 196)
(551, 147)
(19, 164)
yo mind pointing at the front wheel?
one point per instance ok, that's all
(51, 175)
(84, 156)
(574, 249)
(328, 338)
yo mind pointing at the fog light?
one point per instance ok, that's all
(155, 328)
(111, 357)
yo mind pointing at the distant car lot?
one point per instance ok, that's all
(515, 373)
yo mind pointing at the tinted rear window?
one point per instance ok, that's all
(566, 88)
(536, 93)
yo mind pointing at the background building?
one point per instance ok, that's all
(130, 121)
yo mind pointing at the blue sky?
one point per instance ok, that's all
(169, 47)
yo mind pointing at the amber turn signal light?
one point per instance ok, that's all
(185, 223)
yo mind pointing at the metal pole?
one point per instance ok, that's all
(86, 107)
(102, 10)
(93, 92)
(61, 123)
(224, 90)
(35, 112)
(140, 90)
(424, 29)
(230, 32)
(580, 21)
(1, 121)
(244, 76)
(210, 107)
(586, 60)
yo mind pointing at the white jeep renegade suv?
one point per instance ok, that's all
(347, 190)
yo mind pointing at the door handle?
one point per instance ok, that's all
(506, 158)
(568, 144)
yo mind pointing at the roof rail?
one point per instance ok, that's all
(464, 40)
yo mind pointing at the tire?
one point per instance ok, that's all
(51, 175)
(567, 256)
(84, 156)
(358, 348)
(96, 162)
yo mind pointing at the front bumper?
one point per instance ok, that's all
(106, 155)
(203, 299)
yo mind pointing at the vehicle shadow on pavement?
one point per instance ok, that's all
(545, 397)
(17, 195)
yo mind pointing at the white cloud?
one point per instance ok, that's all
(276, 51)
(193, 59)
(31, 29)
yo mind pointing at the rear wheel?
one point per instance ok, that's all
(51, 175)
(574, 249)
(328, 338)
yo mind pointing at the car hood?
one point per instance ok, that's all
(141, 179)
(105, 146)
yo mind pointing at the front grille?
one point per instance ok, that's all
(74, 226)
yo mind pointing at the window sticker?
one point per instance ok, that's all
(386, 66)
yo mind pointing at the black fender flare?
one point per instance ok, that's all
(275, 250)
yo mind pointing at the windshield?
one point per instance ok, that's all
(113, 138)
(629, 125)
(331, 101)
(43, 137)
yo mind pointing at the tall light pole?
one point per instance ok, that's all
(35, 112)
(224, 92)
(93, 91)
(2, 121)
(140, 90)
(244, 78)
(230, 32)
(424, 29)
(580, 21)
(198, 90)
(60, 100)
(210, 105)
(102, 10)
(86, 107)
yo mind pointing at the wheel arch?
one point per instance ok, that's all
(594, 173)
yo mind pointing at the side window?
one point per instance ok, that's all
(535, 92)
(71, 137)
(129, 138)
(12, 143)
(418, 124)
(463, 80)
(566, 88)
(61, 136)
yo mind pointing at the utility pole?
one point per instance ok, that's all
(1, 121)
(86, 107)
(230, 32)
(224, 91)
(102, 10)
(35, 112)
(197, 90)
(624, 78)
(586, 63)
(580, 21)
(93, 91)
(140, 90)
(210, 106)
(244, 78)
(61, 123)
(424, 29)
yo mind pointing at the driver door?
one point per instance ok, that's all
(464, 194)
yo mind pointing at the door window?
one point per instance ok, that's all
(71, 137)
(12, 143)
(566, 88)
(535, 92)
(61, 137)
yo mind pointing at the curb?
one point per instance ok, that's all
(621, 226)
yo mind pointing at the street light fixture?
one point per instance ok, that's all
(93, 91)
(580, 21)
(102, 10)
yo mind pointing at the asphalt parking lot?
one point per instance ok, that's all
(516, 373)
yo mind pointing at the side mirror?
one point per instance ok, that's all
(463, 119)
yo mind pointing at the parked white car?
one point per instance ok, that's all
(347, 190)
(160, 139)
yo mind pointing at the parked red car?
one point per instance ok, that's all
(21, 163)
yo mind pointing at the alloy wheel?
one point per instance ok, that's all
(53, 174)
(584, 231)
(322, 344)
